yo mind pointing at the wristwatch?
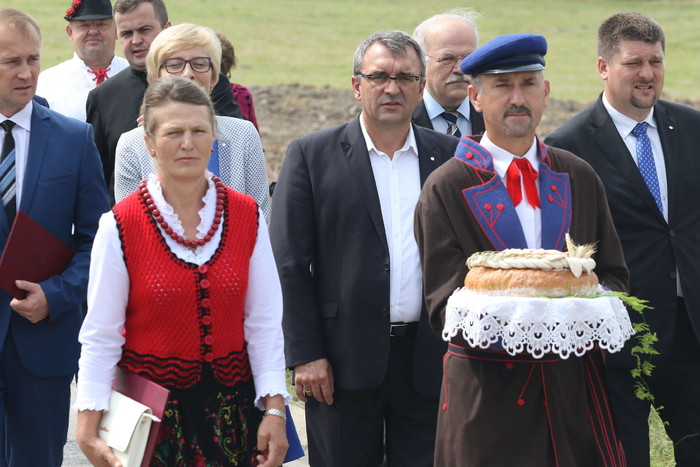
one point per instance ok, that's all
(276, 413)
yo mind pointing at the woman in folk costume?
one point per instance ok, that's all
(184, 291)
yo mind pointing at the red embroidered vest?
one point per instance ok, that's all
(181, 317)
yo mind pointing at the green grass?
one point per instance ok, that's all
(312, 41)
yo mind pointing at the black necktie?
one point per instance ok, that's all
(7, 171)
(451, 119)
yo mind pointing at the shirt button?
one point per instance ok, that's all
(208, 340)
(209, 357)
(672, 233)
(204, 283)
(203, 269)
(206, 303)
(386, 267)
(509, 366)
(206, 320)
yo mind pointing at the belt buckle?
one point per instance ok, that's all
(397, 329)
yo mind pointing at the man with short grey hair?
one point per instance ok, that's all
(355, 326)
(446, 39)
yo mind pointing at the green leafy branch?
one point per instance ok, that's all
(644, 348)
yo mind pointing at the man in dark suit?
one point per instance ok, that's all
(446, 39)
(51, 171)
(651, 178)
(356, 334)
(113, 107)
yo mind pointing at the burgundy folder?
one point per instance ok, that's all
(148, 393)
(31, 253)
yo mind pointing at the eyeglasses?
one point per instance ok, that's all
(379, 79)
(177, 65)
(448, 60)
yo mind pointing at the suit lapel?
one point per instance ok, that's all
(493, 208)
(613, 147)
(357, 157)
(38, 139)
(429, 155)
(668, 134)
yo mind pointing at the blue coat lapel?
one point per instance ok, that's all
(38, 139)
(493, 209)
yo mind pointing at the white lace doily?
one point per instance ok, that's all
(538, 326)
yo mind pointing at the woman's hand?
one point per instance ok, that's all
(272, 435)
(94, 448)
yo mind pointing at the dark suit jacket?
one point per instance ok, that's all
(331, 250)
(420, 118)
(65, 193)
(653, 248)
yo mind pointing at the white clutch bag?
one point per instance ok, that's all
(125, 428)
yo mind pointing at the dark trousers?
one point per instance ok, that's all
(33, 413)
(364, 426)
(675, 384)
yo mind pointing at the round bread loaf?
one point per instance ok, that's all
(531, 273)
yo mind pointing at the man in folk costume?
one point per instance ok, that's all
(511, 191)
(91, 30)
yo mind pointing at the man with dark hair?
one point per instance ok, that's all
(511, 191)
(113, 107)
(51, 172)
(355, 328)
(645, 151)
(446, 39)
(91, 30)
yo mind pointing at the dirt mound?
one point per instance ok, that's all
(289, 111)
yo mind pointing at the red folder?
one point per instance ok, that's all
(31, 253)
(148, 393)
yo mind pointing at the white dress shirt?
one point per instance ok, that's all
(398, 186)
(67, 85)
(20, 133)
(434, 110)
(530, 218)
(108, 292)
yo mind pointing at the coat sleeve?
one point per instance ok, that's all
(293, 238)
(442, 255)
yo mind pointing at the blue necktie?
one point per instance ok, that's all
(7, 171)
(645, 160)
(451, 119)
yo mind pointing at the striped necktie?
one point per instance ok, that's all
(7, 171)
(451, 119)
(645, 160)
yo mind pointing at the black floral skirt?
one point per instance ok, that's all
(209, 424)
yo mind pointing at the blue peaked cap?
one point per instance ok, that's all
(507, 54)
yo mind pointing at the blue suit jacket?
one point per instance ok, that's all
(65, 192)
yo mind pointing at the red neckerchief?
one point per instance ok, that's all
(520, 165)
(100, 75)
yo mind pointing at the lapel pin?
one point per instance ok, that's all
(670, 127)
(432, 158)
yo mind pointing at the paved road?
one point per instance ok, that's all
(74, 458)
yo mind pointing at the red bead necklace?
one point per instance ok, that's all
(220, 195)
